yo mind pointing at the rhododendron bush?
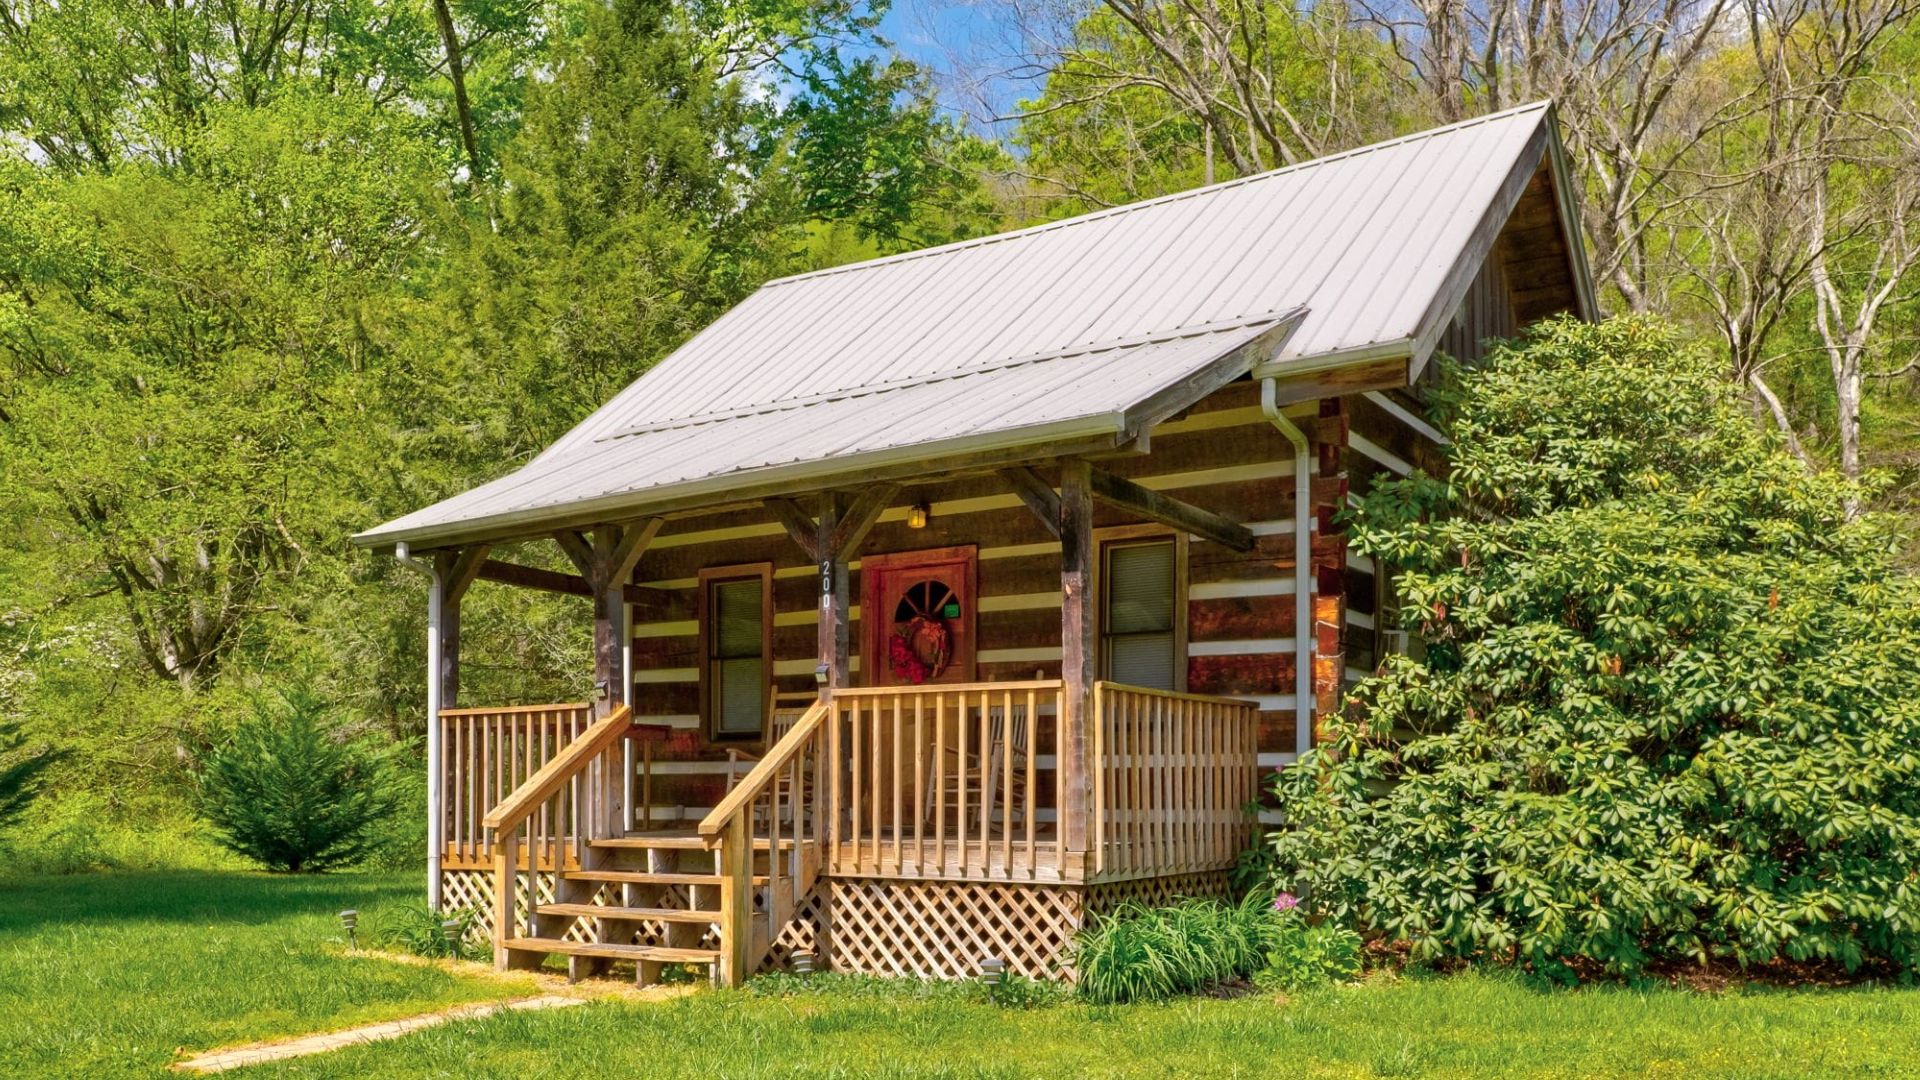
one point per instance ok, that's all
(1664, 698)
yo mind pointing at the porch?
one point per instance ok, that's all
(916, 830)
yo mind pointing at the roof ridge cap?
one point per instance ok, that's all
(1542, 104)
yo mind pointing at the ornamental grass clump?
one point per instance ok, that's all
(1140, 953)
(1667, 704)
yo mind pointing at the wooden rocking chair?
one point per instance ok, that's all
(980, 774)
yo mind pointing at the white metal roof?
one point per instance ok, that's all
(1035, 335)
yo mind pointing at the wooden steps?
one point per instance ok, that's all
(675, 842)
(605, 911)
(649, 877)
(660, 954)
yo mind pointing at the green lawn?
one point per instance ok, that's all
(106, 976)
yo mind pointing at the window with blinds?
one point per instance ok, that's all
(737, 675)
(1139, 583)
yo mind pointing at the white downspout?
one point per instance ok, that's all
(435, 840)
(1302, 567)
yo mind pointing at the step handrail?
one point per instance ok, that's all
(762, 774)
(572, 758)
(729, 827)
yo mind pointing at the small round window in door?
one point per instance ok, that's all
(921, 646)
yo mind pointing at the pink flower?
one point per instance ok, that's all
(1285, 901)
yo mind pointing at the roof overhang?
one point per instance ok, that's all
(1544, 148)
(1240, 349)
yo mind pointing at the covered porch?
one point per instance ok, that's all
(902, 828)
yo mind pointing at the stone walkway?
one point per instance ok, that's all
(260, 1053)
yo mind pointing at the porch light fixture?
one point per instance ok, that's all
(917, 515)
(349, 921)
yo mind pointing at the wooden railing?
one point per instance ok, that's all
(1174, 775)
(571, 800)
(485, 755)
(955, 781)
(777, 805)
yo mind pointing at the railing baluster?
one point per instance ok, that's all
(919, 808)
(859, 763)
(960, 782)
(894, 782)
(1033, 752)
(1007, 781)
(940, 782)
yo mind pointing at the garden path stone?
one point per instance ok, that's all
(260, 1053)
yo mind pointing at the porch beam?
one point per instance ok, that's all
(800, 525)
(532, 577)
(1169, 511)
(1076, 646)
(1036, 493)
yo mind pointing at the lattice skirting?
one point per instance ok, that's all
(1106, 896)
(943, 929)
(931, 929)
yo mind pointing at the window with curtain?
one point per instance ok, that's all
(737, 675)
(1138, 611)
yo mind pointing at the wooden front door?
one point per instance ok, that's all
(917, 617)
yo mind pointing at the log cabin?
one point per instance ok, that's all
(944, 601)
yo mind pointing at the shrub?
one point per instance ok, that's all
(1302, 955)
(1150, 954)
(289, 790)
(1668, 705)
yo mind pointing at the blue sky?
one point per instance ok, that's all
(968, 44)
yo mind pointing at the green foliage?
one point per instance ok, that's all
(419, 930)
(1667, 706)
(292, 791)
(1013, 992)
(1140, 953)
(1303, 955)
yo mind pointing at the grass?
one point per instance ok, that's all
(1472, 1026)
(105, 976)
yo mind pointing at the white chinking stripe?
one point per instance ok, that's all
(1368, 448)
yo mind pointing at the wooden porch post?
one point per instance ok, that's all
(830, 539)
(835, 638)
(1076, 646)
(606, 559)
(453, 572)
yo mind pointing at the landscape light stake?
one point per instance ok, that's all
(451, 930)
(803, 963)
(993, 971)
(350, 919)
